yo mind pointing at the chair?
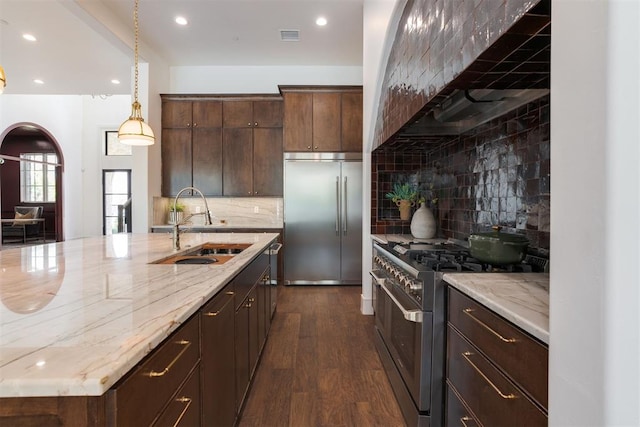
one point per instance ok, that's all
(23, 230)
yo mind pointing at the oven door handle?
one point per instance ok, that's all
(414, 316)
(378, 279)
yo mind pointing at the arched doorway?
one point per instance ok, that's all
(29, 140)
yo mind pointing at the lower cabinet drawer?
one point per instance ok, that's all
(494, 399)
(525, 359)
(184, 407)
(457, 414)
(140, 397)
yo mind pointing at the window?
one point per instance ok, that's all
(113, 145)
(38, 177)
(116, 191)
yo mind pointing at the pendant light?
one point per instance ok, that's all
(3, 79)
(135, 131)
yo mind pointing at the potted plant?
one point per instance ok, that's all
(404, 196)
(175, 213)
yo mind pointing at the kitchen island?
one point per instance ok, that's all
(77, 316)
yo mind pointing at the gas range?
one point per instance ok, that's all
(410, 310)
(416, 267)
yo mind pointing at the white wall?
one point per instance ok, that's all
(380, 22)
(254, 79)
(594, 372)
(74, 121)
(99, 115)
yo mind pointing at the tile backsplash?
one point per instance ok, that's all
(497, 174)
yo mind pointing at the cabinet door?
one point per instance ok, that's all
(143, 394)
(207, 114)
(207, 161)
(218, 361)
(254, 328)
(242, 352)
(176, 160)
(184, 408)
(176, 114)
(267, 114)
(237, 114)
(326, 119)
(298, 116)
(238, 160)
(352, 122)
(267, 162)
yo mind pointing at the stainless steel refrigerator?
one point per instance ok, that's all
(322, 219)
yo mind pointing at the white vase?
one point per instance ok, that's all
(423, 223)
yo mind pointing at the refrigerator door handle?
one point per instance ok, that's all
(344, 208)
(337, 205)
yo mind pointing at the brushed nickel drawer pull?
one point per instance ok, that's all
(215, 313)
(186, 344)
(186, 400)
(468, 312)
(466, 355)
(464, 420)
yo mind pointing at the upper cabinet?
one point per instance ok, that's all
(323, 119)
(247, 113)
(191, 145)
(224, 145)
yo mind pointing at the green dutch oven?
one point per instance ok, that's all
(495, 247)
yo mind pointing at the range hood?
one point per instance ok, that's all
(463, 110)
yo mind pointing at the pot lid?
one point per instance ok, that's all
(497, 236)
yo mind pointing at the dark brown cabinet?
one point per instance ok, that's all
(496, 373)
(323, 119)
(351, 119)
(218, 361)
(253, 162)
(252, 113)
(142, 396)
(222, 145)
(252, 141)
(191, 146)
(247, 337)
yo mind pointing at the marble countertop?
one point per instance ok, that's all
(521, 298)
(219, 226)
(401, 238)
(76, 316)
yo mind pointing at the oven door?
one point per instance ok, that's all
(407, 332)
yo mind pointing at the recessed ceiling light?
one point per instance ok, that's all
(29, 37)
(321, 21)
(181, 20)
(115, 81)
(38, 81)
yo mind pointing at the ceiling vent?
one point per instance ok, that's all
(290, 35)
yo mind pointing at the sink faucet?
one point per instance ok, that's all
(176, 227)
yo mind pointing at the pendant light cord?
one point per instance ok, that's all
(135, 52)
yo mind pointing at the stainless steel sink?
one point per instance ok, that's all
(208, 253)
(195, 260)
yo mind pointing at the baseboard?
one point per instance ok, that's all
(366, 305)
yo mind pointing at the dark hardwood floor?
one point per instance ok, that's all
(320, 366)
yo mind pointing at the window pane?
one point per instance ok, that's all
(115, 147)
(111, 225)
(112, 202)
(37, 180)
